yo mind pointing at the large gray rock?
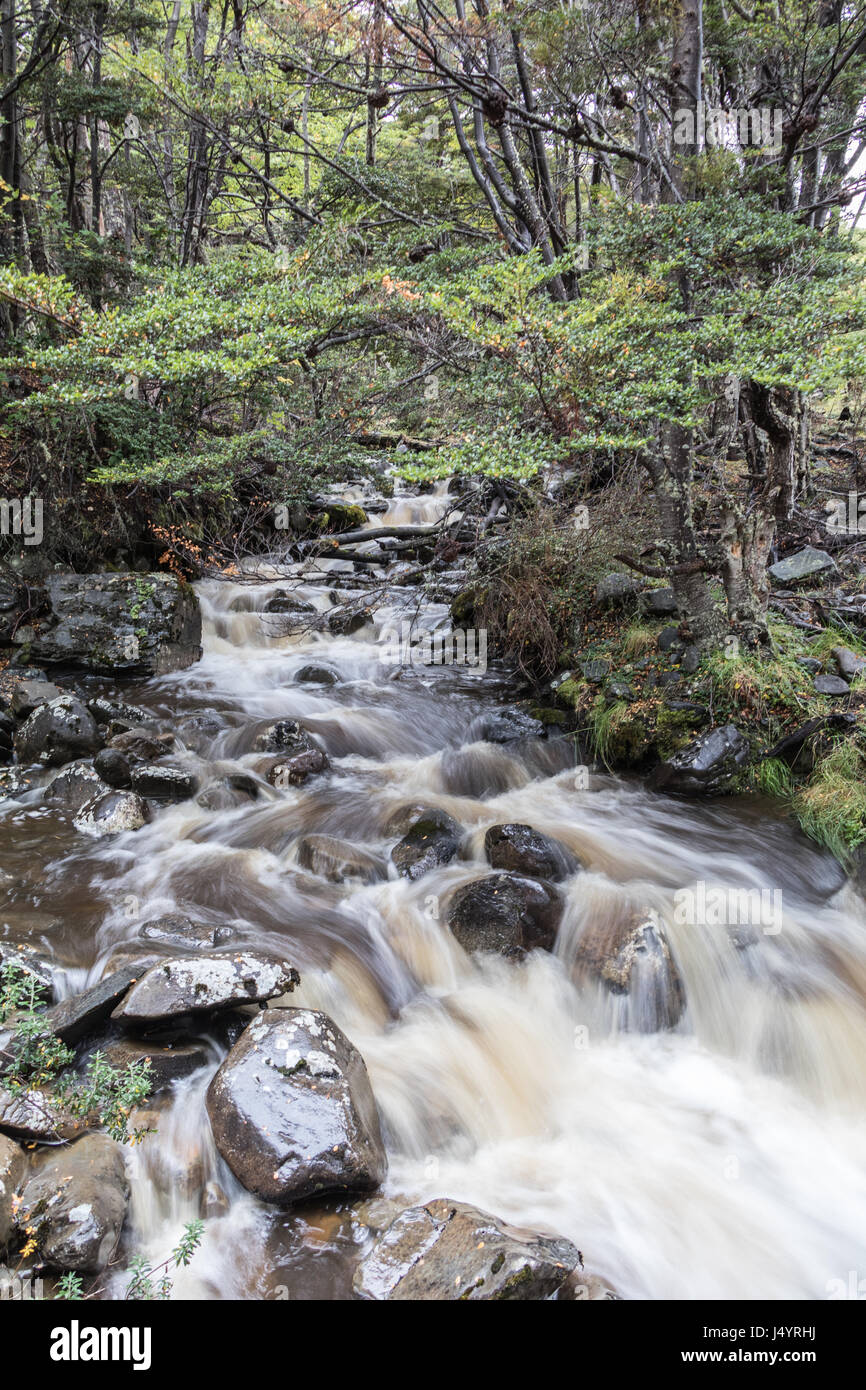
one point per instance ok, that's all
(197, 984)
(521, 850)
(614, 589)
(107, 623)
(57, 732)
(507, 726)
(452, 1252)
(431, 840)
(803, 565)
(35, 1114)
(164, 781)
(706, 766)
(75, 1199)
(292, 1110)
(13, 1166)
(631, 956)
(505, 913)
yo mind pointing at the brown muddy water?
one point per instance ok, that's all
(723, 1159)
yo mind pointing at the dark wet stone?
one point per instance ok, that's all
(452, 1252)
(507, 726)
(316, 675)
(283, 601)
(142, 744)
(115, 813)
(433, 839)
(106, 623)
(197, 984)
(595, 671)
(75, 1200)
(56, 733)
(75, 785)
(294, 771)
(13, 1166)
(631, 956)
(28, 695)
(169, 1061)
(338, 860)
(286, 735)
(116, 712)
(113, 767)
(228, 793)
(292, 1110)
(669, 639)
(690, 661)
(75, 1017)
(176, 930)
(521, 850)
(343, 622)
(164, 782)
(505, 913)
(706, 766)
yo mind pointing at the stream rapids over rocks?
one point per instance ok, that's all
(723, 1156)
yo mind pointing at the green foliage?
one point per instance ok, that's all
(150, 1283)
(34, 1058)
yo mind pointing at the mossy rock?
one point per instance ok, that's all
(343, 516)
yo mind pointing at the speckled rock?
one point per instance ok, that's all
(75, 1199)
(292, 1110)
(452, 1252)
(57, 732)
(113, 813)
(197, 984)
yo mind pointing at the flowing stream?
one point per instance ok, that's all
(723, 1159)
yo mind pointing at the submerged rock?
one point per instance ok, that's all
(522, 850)
(294, 771)
(505, 913)
(57, 732)
(75, 1200)
(316, 675)
(198, 984)
(292, 1110)
(453, 1252)
(631, 956)
(706, 766)
(113, 767)
(108, 623)
(433, 839)
(338, 860)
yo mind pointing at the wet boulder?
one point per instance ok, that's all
(164, 781)
(283, 601)
(73, 1018)
(114, 813)
(292, 1110)
(34, 1114)
(176, 930)
(631, 957)
(13, 1166)
(75, 785)
(431, 840)
(75, 1201)
(505, 913)
(27, 695)
(168, 1061)
(198, 984)
(338, 860)
(452, 1252)
(295, 770)
(227, 793)
(113, 768)
(316, 675)
(343, 622)
(286, 735)
(521, 850)
(141, 744)
(57, 732)
(147, 624)
(706, 766)
(507, 726)
(117, 713)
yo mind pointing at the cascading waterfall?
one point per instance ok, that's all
(723, 1158)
